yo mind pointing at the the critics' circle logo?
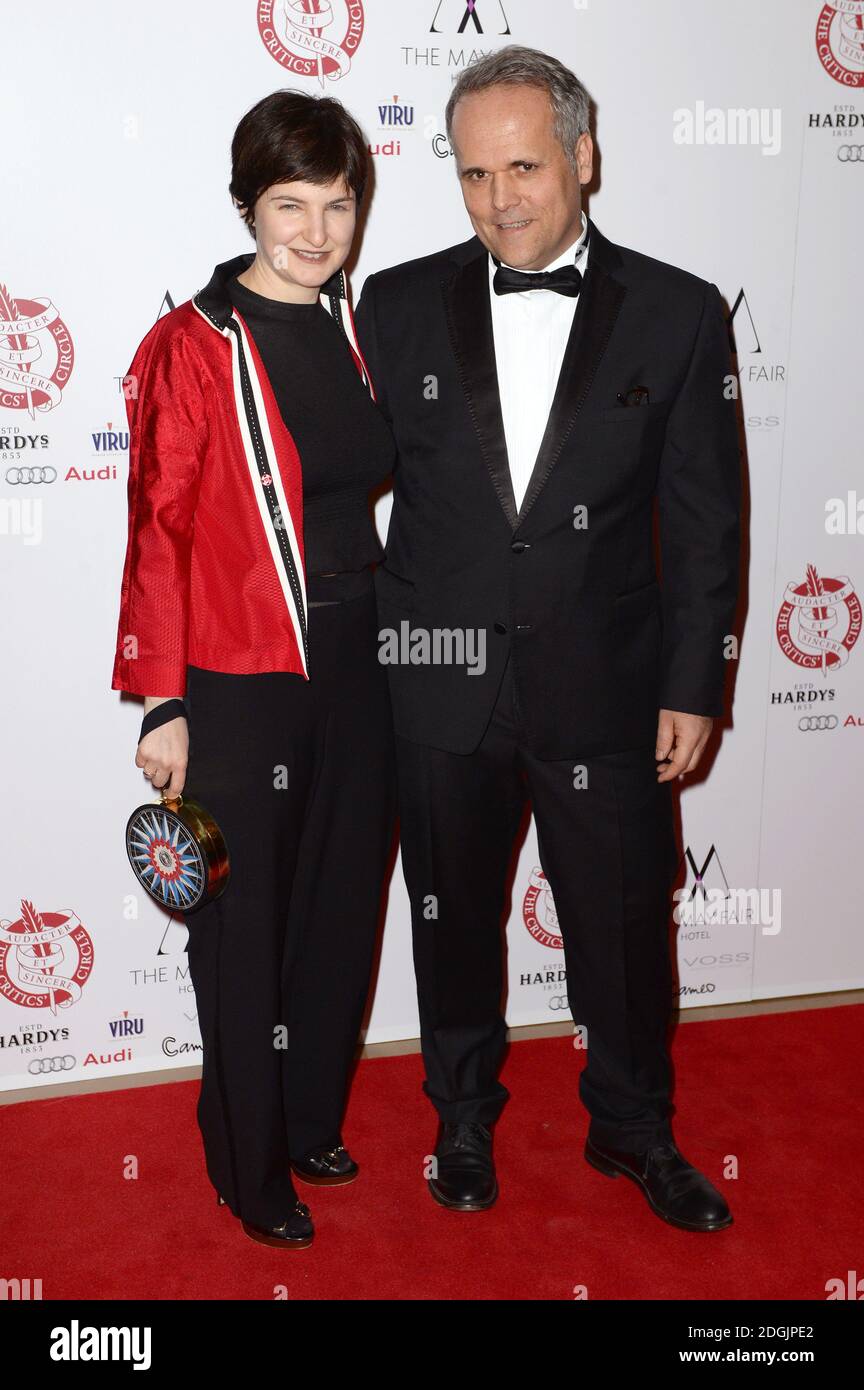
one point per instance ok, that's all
(840, 41)
(819, 621)
(538, 912)
(36, 354)
(45, 959)
(312, 38)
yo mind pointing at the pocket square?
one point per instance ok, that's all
(637, 395)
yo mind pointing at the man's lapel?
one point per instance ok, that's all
(469, 320)
(469, 317)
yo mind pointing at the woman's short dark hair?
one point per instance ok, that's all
(290, 135)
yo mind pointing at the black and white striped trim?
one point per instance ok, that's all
(335, 301)
(266, 478)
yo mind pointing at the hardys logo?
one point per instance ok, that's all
(840, 41)
(819, 622)
(312, 38)
(45, 959)
(36, 354)
(538, 912)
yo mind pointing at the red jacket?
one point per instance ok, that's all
(214, 574)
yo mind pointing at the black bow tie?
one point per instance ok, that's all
(565, 280)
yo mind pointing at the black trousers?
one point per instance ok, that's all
(300, 776)
(608, 850)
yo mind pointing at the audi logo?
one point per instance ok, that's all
(39, 474)
(45, 1064)
(558, 1003)
(851, 154)
(818, 721)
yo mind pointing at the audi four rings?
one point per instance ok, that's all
(43, 1064)
(31, 475)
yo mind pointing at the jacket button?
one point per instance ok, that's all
(518, 546)
(500, 628)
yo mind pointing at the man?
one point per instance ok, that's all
(545, 386)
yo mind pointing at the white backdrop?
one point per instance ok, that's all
(731, 142)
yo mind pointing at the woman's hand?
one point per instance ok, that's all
(164, 753)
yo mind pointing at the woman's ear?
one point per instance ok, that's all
(242, 210)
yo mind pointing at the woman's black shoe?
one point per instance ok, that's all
(326, 1167)
(294, 1234)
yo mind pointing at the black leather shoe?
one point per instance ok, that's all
(294, 1234)
(465, 1178)
(326, 1167)
(674, 1189)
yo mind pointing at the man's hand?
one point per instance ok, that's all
(680, 739)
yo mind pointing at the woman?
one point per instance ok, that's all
(247, 588)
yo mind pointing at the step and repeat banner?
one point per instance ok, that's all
(731, 142)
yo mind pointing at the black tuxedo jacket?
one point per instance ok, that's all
(598, 645)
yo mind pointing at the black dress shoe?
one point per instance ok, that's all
(465, 1179)
(294, 1234)
(326, 1167)
(674, 1189)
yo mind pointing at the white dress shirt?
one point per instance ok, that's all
(530, 330)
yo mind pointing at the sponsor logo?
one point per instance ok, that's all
(125, 1027)
(104, 1059)
(31, 1038)
(395, 114)
(42, 1066)
(172, 1048)
(810, 722)
(465, 13)
(23, 476)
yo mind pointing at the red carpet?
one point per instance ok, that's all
(781, 1092)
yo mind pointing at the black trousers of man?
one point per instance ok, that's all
(281, 962)
(609, 853)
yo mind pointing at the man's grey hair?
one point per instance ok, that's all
(531, 68)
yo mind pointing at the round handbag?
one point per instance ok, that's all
(178, 853)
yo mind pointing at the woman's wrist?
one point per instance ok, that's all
(152, 701)
(161, 712)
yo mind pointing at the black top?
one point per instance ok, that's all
(344, 442)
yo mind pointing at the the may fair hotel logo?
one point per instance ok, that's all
(457, 33)
(312, 38)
